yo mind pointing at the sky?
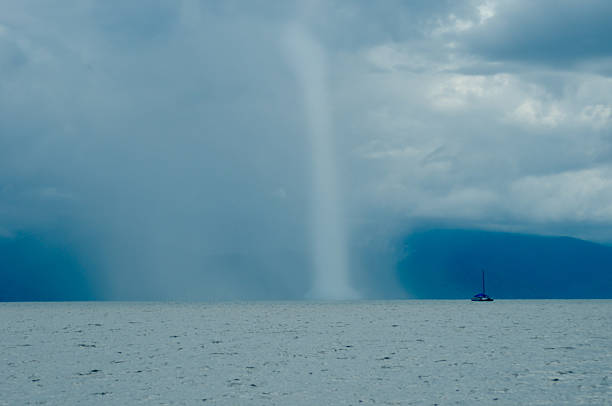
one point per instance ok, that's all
(163, 145)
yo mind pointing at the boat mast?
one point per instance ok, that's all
(483, 288)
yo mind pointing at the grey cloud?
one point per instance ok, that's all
(168, 140)
(172, 151)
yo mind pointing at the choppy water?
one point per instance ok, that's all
(405, 352)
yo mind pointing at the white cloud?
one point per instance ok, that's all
(447, 144)
(599, 116)
(462, 203)
(457, 92)
(536, 113)
(486, 11)
(576, 196)
(456, 25)
(452, 24)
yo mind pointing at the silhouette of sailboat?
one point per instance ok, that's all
(482, 297)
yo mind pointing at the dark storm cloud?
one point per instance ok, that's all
(555, 33)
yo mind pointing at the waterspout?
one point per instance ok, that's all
(329, 236)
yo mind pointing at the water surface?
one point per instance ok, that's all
(545, 352)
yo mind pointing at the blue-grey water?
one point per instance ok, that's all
(541, 352)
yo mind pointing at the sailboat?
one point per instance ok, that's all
(482, 297)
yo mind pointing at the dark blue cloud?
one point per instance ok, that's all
(555, 33)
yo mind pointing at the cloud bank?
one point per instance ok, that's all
(164, 143)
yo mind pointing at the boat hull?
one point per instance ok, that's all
(482, 299)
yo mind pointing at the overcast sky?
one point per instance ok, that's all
(146, 136)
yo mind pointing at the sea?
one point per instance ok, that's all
(434, 352)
